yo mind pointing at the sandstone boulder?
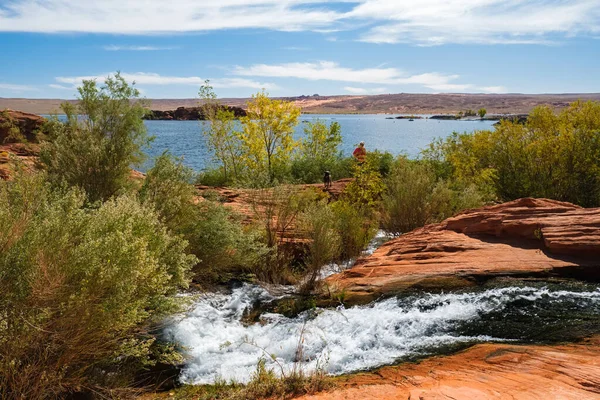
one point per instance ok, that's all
(27, 124)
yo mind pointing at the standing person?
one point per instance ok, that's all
(360, 153)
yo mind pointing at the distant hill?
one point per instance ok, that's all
(402, 103)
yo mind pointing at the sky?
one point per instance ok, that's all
(301, 47)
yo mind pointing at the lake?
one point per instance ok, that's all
(184, 138)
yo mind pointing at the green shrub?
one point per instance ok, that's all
(367, 187)
(406, 202)
(355, 226)
(319, 223)
(167, 187)
(102, 138)
(224, 247)
(553, 155)
(214, 177)
(415, 197)
(79, 288)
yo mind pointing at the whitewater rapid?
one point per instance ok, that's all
(220, 347)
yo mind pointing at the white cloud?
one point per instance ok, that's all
(424, 23)
(61, 87)
(156, 16)
(357, 90)
(144, 78)
(436, 22)
(136, 48)
(328, 70)
(331, 71)
(17, 88)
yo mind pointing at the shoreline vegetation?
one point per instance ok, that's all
(92, 260)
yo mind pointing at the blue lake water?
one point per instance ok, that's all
(184, 138)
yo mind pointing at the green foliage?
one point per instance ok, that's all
(311, 170)
(215, 177)
(381, 161)
(10, 129)
(553, 155)
(319, 222)
(101, 139)
(321, 142)
(224, 248)
(222, 137)
(267, 139)
(366, 188)
(482, 112)
(318, 153)
(414, 197)
(355, 226)
(77, 288)
(167, 188)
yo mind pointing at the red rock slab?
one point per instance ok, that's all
(563, 227)
(485, 371)
(526, 237)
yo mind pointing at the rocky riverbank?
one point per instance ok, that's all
(522, 238)
(485, 371)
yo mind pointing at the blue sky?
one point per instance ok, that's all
(295, 47)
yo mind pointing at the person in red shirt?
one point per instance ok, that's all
(360, 153)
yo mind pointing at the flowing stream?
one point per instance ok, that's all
(221, 347)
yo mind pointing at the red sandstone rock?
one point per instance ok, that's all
(525, 237)
(485, 371)
(28, 125)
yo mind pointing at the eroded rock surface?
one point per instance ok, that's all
(27, 124)
(485, 371)
(525, 237)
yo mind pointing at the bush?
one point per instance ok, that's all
(366, 188)
(101, 139)
(167, 187)
(355, 226)
(225, 249)
(415, 197)
(319, 223)
(553, 155)
(79, 288)
(214, 177)
(311, 170)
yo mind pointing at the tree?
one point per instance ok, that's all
(321, 142)
(103, 136)
(267, 138)
(223, 139)
(482, 112)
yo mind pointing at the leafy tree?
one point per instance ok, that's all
(267, 136)
(321, 142)
(482, 112)
(318, 153)
(103, 136)
(220, 131)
